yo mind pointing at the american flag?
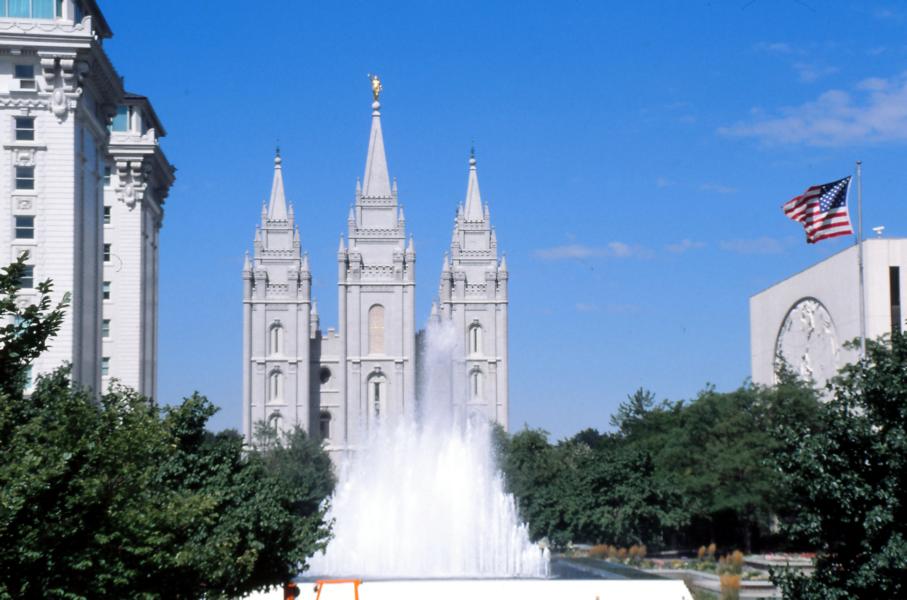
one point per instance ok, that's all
(822, 209)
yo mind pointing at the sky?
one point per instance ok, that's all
(635, 156)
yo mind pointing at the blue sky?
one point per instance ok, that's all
(635, 156)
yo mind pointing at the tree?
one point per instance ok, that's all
(25, 329)
(848, 472)
(110, 496)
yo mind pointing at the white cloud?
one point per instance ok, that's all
(717, 188)
(762, 245)
(663, 182)
(684, 245)
(885, 13)
(774, 47)
(586, 307)
(581, 251)
(808, 72)
(876, 112)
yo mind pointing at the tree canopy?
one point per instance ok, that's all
(847, 471)
(112, 496)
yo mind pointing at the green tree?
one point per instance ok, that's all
(848, 472)
(25, 329)
(109, 496)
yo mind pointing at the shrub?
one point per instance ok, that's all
(598, 551)
(730, 587)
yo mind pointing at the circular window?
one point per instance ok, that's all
(324, 374)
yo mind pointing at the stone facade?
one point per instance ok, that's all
(808, 317)
(473, 296)
(83, 198)
(365, 370)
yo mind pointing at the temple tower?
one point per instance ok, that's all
(473, 295)
(277, 309)
(376, 280)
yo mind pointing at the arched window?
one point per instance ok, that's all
(377, 395)
(475, 384)
(324, 424)
(275, 386)
(275, 422)
(276, 341)
(475, 339)
(376, 329)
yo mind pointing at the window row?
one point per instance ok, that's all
(31, 9)
(276, 422)
(25, 180)
(24, 229)
(27, 282)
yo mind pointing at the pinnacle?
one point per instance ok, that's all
(277, 207)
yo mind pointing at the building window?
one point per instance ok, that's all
(894, 294)
(324, 425)
(475, 339)
(276, 386)
(106, 215)
(475, 384)
(105, 366)
(376, 329)
(324, 375)
(276, 341)
(107, 175)
(275, 422)
(106, 253)
(105, 290)
(31, 9)
(24, 75)
(121, 119)
(27, 280)
(377, 394)
(25, 128)
(25, 178)
(105, 328)
(25, 228)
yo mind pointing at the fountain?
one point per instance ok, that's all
(421, 511)
(424, 498)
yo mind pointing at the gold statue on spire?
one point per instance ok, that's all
(376, 86)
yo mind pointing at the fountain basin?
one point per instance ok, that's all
(496, 589)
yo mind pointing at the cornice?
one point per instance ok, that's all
(38, 32)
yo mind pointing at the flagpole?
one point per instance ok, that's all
(860, 257)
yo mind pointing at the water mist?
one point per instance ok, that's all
(424, 498)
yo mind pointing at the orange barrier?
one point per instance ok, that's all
(323, 582)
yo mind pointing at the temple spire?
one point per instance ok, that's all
(473, 197)
(277, 207)
(376, 182)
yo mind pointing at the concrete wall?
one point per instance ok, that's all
(830, 288)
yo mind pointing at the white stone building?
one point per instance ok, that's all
(81, 188)
(473, 296)
(337, 384)
(807, 317)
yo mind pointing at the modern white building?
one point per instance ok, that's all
(81, 188)
(807, 317)
(339, 383)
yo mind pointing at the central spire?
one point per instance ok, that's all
(376, 183)
(277, 207)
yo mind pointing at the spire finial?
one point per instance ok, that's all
(277, 154)
(472, 153)
(377, 88)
